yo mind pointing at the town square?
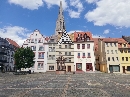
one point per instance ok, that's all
(64, 48)
(65, 85)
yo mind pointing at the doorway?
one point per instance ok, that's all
(89, 67)
(69, 68)
(123, 67)
(111, 69)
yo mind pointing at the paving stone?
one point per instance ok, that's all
(85, 93)
(45, 93)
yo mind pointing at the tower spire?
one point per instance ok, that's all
(61, 10)
(60, 24)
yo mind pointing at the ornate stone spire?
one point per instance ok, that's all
(60, 24)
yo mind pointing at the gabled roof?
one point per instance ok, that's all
(65, 39)
(82, 33)
(12, 42)
(127, 38)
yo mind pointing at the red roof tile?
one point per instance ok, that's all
(13, 42)
(88, 34)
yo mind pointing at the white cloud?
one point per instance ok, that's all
(29, 4)
(16, 33)
(74, 14)
(50, 3)
(92, 1)
(35, 4)
(106, 31)
(77, 4)
(113, 12)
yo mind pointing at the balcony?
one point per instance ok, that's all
(3, 52)
(3, 61)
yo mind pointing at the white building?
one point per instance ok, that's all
(84, 58)
(36, 42)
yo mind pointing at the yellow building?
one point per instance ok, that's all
(124, 55)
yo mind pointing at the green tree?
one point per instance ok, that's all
(24, 58)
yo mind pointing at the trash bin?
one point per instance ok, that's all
(29, 71)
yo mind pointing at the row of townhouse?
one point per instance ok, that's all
(112, 55)
(7, 50)
(79, 53)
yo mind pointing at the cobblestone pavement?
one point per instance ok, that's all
(70, 85)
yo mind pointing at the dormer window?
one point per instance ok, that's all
(32, 40)
(88, 38)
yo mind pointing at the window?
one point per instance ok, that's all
(59, 46)
(116, 51)
(108, 58)
(78, 55)
(111, 44)
(88, 38)
(40, 66)
(125, 51)
(32, 40)
(107, 51)
(79, 66)
(53, 57)
(122, 58)
(41, 55)
(112, 51)
(35, 41)
(51, 40)
(28, 40)
(69, 53)
(83, 55)
(78, 46)
(39, 41)
(89, 56)
(33, 48)
(113, 58)
(69, 45)
(50, 57)
(126, 58)
(128, 68)
(121, 51)
(124, 45)
(41, 48)
(65, 53)
(83, 46)
(128, 50)
(115, 44)
(116, 68)
(69, 59)
(117, 58)
(88, 46)
(51, 67)
(65, 46)
(107, 44)
(36, 34)
(50, 49)
(53, 49)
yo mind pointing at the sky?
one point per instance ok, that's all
(104, 18)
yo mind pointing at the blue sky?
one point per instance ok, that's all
(105, 18)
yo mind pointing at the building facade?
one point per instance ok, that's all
(108, 56)
(124, 55)
(84, 59)
(36, 43)
(51, 55)
(7, 50)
